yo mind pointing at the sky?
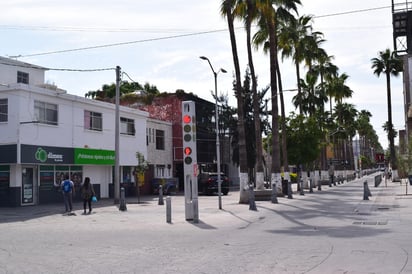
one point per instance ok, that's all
(160, 42)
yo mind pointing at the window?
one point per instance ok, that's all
(160, 139)
(127, 126)
(93, 120)
(22, 77)
(147, 136)
(160, 171)
(3, 110)
(46, 113)
(127, 174)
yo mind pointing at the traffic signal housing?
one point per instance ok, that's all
(189, 136)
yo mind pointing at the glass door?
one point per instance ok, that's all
(29, 186)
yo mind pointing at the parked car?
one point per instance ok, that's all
(207, 183)
(169, 185)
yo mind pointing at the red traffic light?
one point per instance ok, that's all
(187, 151)
(187, 119)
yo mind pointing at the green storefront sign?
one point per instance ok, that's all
(86, 156)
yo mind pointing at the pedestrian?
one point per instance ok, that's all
(67, 186)
(87, 193)
(331, 175)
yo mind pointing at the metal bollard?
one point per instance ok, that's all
(160, 195)
(168, 209)
(252, 203)
(366, 191)
(290, 196)
(274, 194)
(195, 210)
(301, 187)
(319, 184)
(122, 205)
(310, 186)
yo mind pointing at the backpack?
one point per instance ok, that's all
(67, 186)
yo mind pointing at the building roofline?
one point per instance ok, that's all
(12, 62)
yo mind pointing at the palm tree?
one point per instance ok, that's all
(338, 88)
(326, 70)
(389, 64)
(292, 37)
(363, 128)
(227, 10)
(269, 14)
(345, 115)
(247, 10)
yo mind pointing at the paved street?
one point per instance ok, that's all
(328, 231)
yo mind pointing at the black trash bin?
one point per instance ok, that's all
(410, 179)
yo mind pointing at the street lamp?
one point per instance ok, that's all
(219, 181)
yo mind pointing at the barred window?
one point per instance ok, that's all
(4, 109)
(46, 113)
(22, 77)
(160, 139)
(93, 120)
(127, 126)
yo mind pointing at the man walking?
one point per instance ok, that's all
(68, 188)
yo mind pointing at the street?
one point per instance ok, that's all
(328, 231)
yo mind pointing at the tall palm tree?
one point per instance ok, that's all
(227, 10)
(269, 14)
(292, 37)
(326, 70)
(338, 88)
(389, 64)
(345, 115)
(247, 10)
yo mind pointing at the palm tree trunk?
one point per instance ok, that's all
(243, 176)
(298, 82)
(283, 124)
(390, 125)
(259, 180)
(274, 93)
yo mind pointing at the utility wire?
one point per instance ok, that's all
(122, 43)
(178, 36)
(351, 12)
(24, 65)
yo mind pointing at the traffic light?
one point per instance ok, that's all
(189, 135)
(190, 168)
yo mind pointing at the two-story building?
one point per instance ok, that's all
(46, 133)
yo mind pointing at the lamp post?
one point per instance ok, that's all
(219, 180)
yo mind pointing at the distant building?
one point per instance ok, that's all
(168, 107)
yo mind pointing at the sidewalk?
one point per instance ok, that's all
(328, 231)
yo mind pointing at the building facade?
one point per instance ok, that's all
(47, 133)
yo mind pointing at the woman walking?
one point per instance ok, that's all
(87, 192)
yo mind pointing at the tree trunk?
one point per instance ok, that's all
(283, 124)
(259, 178)
(243, 176)
(390, 125)
(274, 93)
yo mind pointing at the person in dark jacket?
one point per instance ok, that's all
(87, 193)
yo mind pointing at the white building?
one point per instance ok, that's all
(46, 133)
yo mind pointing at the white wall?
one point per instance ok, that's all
(99, 175)
(70, 131)
(161, 157)
(8, 73)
